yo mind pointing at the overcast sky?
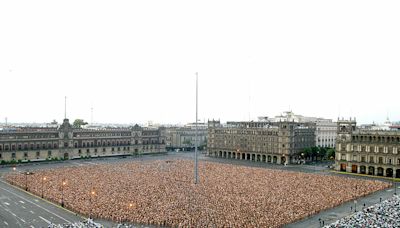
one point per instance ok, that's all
(135, 61)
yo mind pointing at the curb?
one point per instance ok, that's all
(366, 175)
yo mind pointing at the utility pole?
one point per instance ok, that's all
(91, 115)
(195, 147)
(65, 107)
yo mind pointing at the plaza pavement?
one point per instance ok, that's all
(12, 210)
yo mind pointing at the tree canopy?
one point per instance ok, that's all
(79, 123)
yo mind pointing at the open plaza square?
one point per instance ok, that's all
(163, 193)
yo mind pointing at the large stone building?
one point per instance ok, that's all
(184, 138)
(272, 142)
(325, 135)
(67, 142)
(373, 152)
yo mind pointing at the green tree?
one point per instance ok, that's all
(306, 153)
(79, 123)
(330, 153)
(322, 152)
(314, 152)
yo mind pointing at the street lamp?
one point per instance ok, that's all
(43, 179)
(14, 169)
(26, 180)
(284, 159)
(315, 165)
(394, 184)
(355, 201)
(92, 193)
(62, 192)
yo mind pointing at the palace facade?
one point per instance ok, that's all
(372, 152)
(271, 142)
(67, 142)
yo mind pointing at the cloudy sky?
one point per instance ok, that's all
(135, 61)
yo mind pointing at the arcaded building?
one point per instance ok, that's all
(67, 142)
(372, 152)
(271, 142)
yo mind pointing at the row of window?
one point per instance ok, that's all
(13, 155)
(244, 132)
(32, 146)
(38, 146)
(30, 136)
(108, 143)
(88, 135)
(364, 148)
(104, 150)
(387, 139)
(371, 159)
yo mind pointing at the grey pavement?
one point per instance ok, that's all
(20, 209)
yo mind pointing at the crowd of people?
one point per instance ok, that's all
(163, 193)
(385, 214)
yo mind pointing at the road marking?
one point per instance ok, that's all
(389, 190)
(32, 212)
(23, 207)
(6, 203)
(32, 226)
(93, 163)
(48, 222)
(79, 164)
(17, 222)
(22, 220)
(21, 201)
(6, 223)
(35, 205)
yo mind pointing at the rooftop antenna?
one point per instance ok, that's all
(196, 178)
(249, 106)
(65, 107)
(6, 121)
(91, 115)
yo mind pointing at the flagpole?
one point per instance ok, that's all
(195, 147)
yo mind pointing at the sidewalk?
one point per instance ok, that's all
(331, 215)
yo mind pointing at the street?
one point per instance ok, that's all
(20, 209)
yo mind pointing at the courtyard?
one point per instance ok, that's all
(162, 193)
